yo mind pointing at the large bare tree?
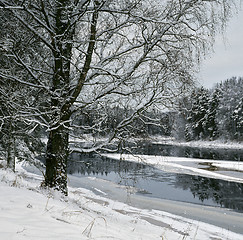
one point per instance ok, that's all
(87, 54)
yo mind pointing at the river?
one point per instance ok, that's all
(149, 181)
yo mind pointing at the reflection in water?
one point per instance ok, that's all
(149, 180)
(86, 164)
(224, 193)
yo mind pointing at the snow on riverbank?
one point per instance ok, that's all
(191, 166)
(217, 144)
(28, 212)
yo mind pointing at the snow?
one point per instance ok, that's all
(185, 165)
(217, 144)
(28, 212)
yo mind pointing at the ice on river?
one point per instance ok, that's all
(191, 166)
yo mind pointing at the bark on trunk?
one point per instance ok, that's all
(56, 160)
(11, 153)
(57, 146)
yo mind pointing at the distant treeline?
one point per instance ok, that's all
(108, 119)
(207, 114)
(212, 114)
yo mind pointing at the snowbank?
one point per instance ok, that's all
(28, 212)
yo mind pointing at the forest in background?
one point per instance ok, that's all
(205, 114)
(209, 114)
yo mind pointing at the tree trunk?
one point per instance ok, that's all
(57, 146)
(11, 152)
(56, 159)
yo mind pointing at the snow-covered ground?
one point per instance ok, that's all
(217, 144)
(28, 212)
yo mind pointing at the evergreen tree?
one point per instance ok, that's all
(237, 118)
(230, 98)
(210, 124)
(197, 114)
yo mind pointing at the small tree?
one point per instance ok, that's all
(15, 98)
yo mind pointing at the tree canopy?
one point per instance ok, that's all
(72, 57)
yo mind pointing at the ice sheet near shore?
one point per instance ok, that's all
(184, 165)
(28, 212)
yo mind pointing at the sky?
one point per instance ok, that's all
(227, 59)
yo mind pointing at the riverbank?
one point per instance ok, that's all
(216, 144)
(29, 212)
(221, 217)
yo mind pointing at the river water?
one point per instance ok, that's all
(147, 180)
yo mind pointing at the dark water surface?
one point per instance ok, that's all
(192, 152)
(156, 183)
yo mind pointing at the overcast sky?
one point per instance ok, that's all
(227, 59)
